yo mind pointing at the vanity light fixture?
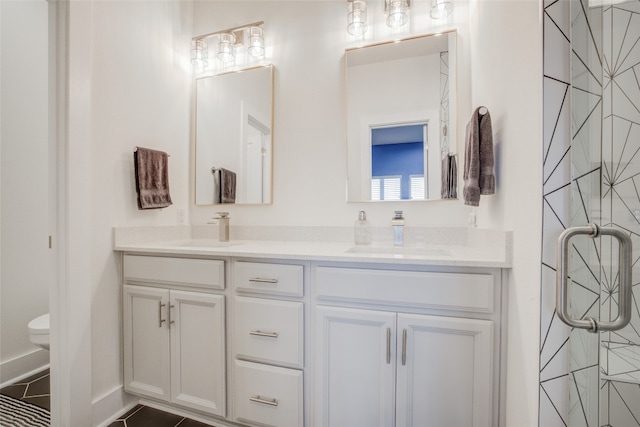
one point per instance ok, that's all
(199, 54)
(397, 12)
(357, 17)
(440, 9)
(256, 42)
(226, 47)
(246, 38)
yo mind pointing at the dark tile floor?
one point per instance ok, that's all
(145, 416)
(35, 390)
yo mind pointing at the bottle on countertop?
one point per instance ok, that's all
(362, 230)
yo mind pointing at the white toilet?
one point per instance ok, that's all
(39, 331)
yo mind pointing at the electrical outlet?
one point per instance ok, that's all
(182, 217)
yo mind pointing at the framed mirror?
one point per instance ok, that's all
(234, 137)
(400, 134)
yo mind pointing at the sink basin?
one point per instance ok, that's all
(400, 250)
(205, 243)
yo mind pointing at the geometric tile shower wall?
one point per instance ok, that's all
(603, 62)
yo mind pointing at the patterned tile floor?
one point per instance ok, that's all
(145, 416)
(35, 390)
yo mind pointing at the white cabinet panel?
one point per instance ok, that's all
(269, 330)
(444, 375)
(268, 395)
(198, 351)
(205, 273)
(174, 347)
(424, 289)
(146, 341)
(355, 371)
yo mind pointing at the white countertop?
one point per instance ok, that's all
(436, 255)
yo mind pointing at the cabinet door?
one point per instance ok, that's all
(445, 373)
(146, 341)
(198, 351)
(355, 359)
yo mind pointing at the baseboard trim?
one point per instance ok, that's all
(111, 405)
(23, 366)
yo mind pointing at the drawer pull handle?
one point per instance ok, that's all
(264, 334)
(262, 280)
(264, 400)
(160, 319)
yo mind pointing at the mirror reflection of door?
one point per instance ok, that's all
(399, 162)
(255, 151)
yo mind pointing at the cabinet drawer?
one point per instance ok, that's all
(274, 279)
(269, 330)
(268, 395)
(204, 273)
(466, 292)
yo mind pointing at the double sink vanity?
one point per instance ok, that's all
(302, 333)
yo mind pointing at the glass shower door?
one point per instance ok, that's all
(605, 157)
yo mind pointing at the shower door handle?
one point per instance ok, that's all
(624, 287)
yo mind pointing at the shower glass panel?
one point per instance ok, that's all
(605, 156)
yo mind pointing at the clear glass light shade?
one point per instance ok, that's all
(357, 18)
(199, 54)
(397, 14)
(256, 42)
(440, 9)
(226, 48)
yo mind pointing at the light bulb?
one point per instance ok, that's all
(226, 49)
(397, 14)
(357, 18)
(256, 42)
(440, 9)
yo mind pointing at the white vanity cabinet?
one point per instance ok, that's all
(405, 347)
(268, 343)
(174, 339)
(316, 338)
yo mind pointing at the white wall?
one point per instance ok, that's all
(130, 86)
(134, 88)
(507, 78)
(24, 282)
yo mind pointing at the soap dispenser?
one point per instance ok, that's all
(362, 229)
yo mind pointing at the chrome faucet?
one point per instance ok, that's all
(398, 229)
(223, 226)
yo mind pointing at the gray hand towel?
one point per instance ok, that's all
(152, 178)
(449, 189)
(224, 185)
(478, 174)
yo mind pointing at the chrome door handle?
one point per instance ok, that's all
(170, 321)
(404, 347)
(388, 346)
(160, 319)
(624, 288)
